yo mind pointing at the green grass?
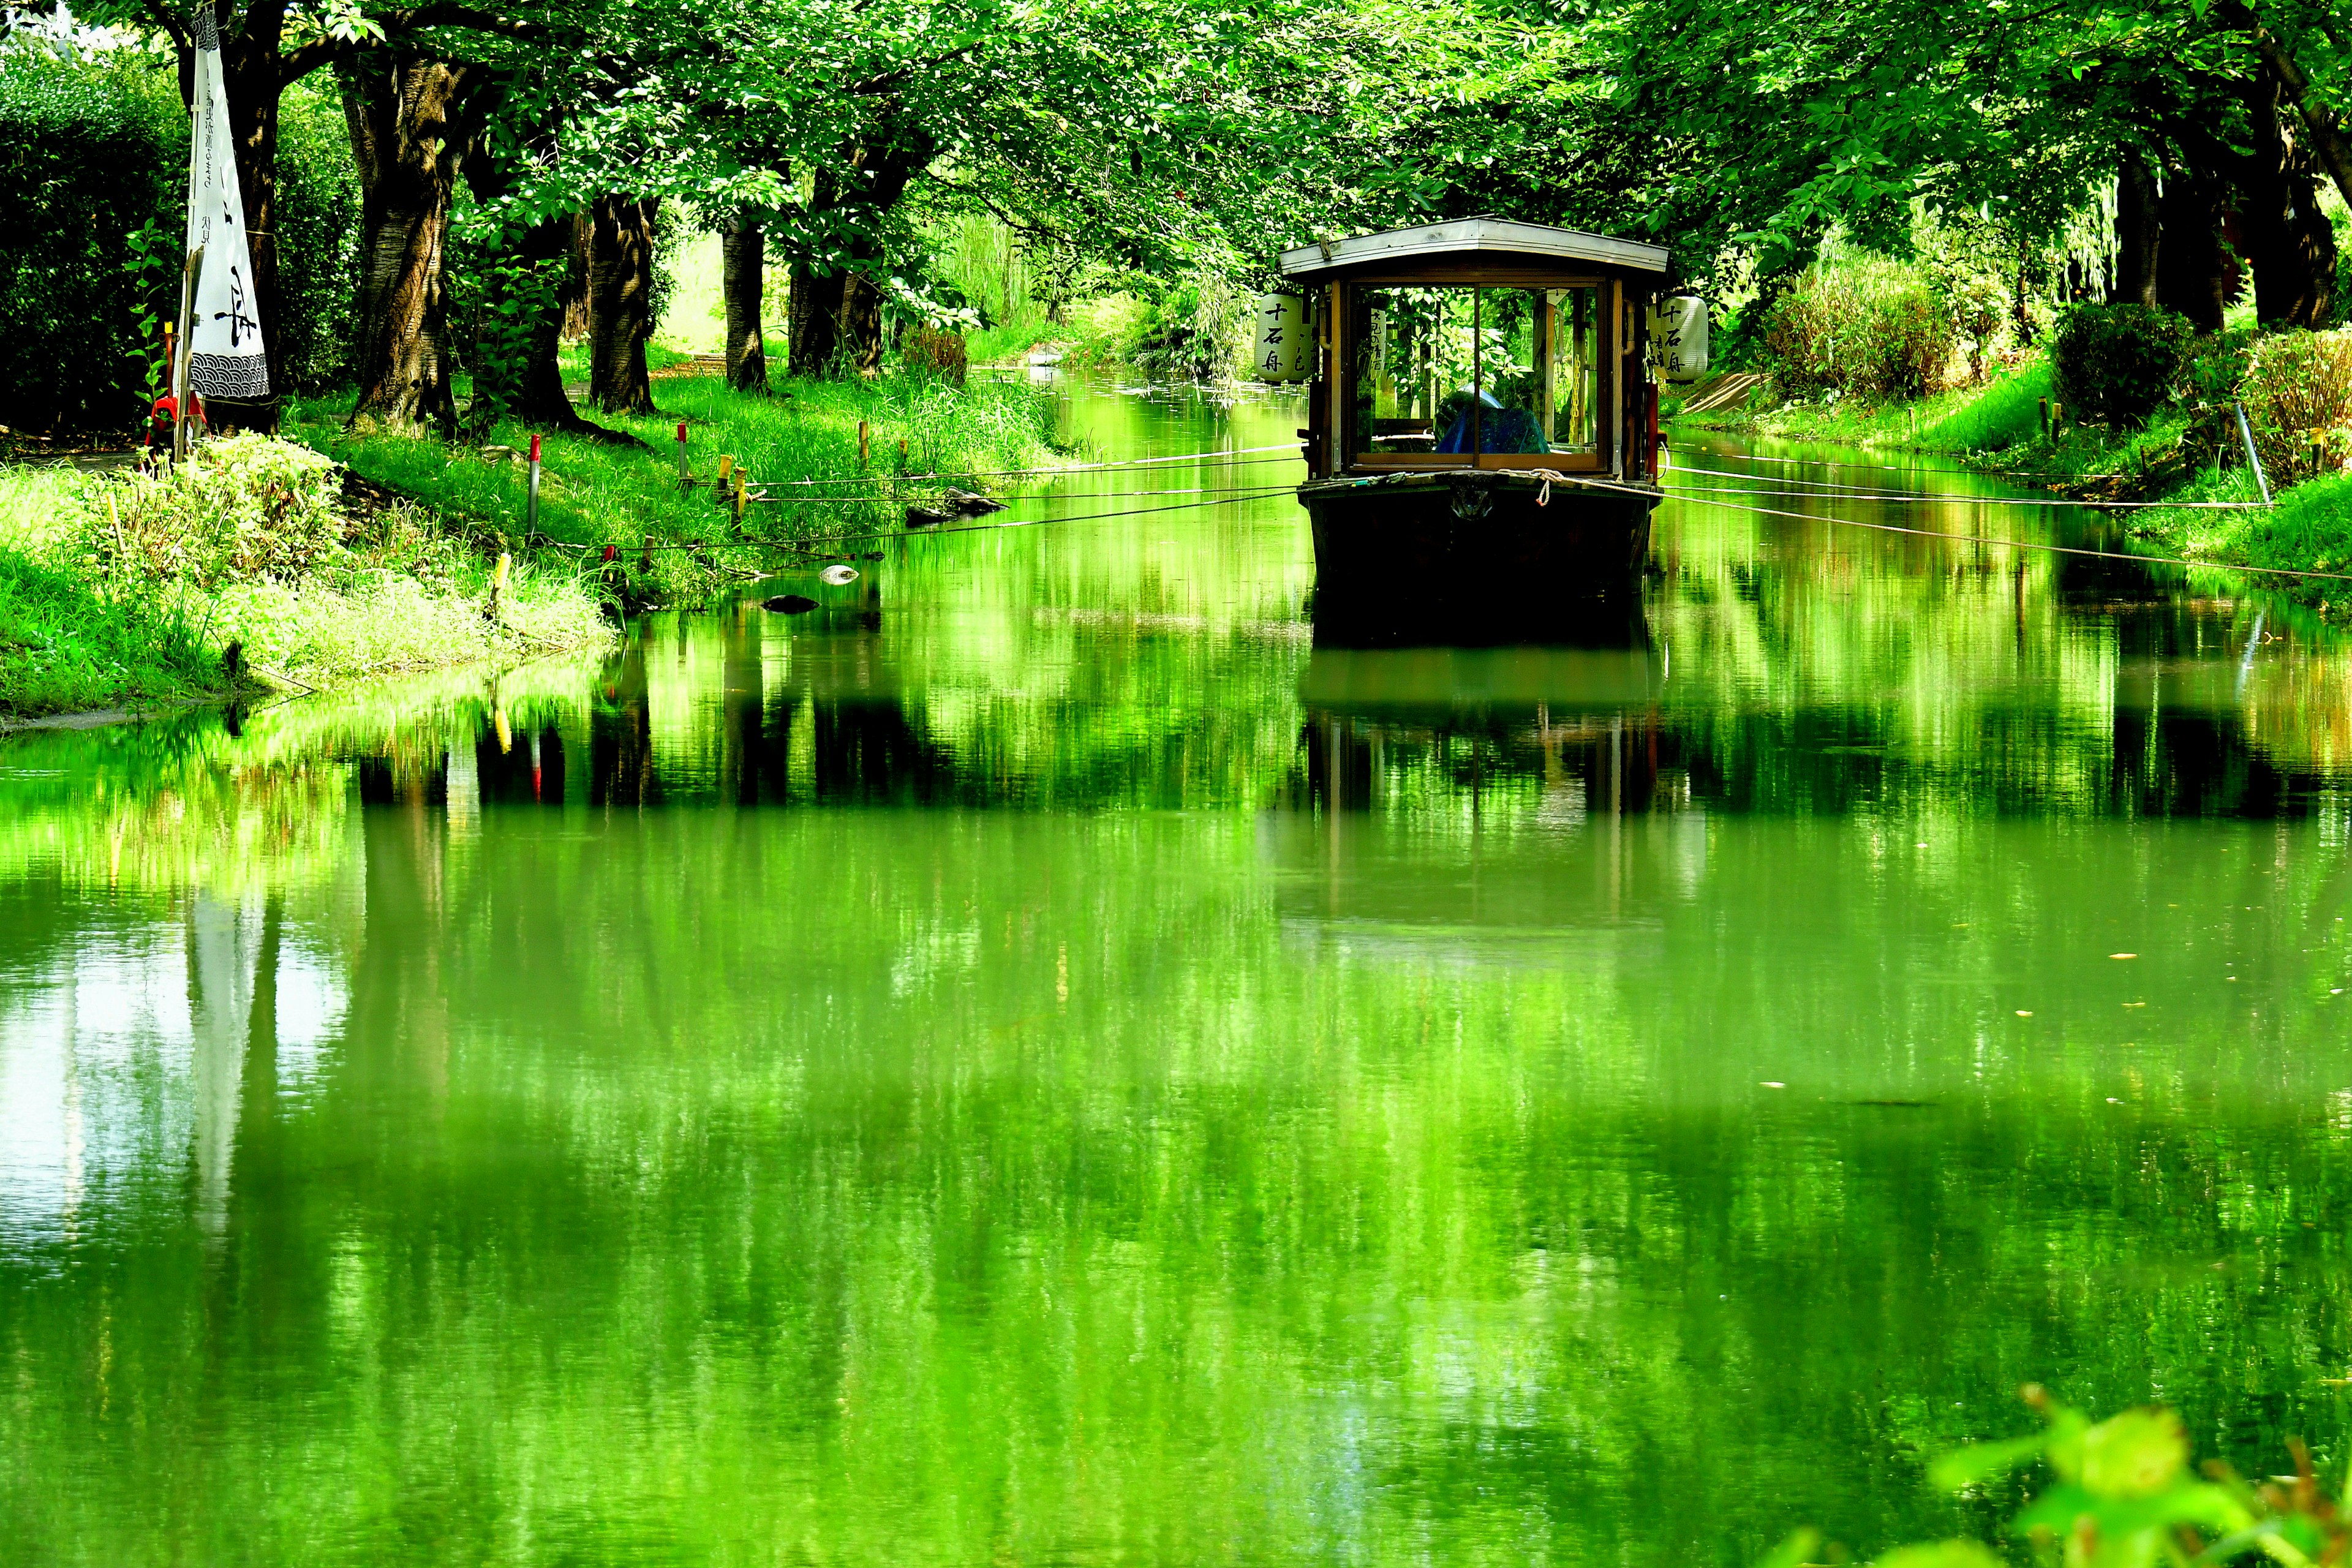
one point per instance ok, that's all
(596, 494)
(63, 646)
(117, 590)
(1999, 424)
(1993, 418)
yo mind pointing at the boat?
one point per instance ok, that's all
(1481, 410)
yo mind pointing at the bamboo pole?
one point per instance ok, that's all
(189, 272)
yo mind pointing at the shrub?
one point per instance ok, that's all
(1853, 322)
(2122, 1491)
(2116, 364)
(87, 159)
(2297, 390)
(924, 351)
(92, 173)
(244, 506)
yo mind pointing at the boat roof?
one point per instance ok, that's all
(1471, 244)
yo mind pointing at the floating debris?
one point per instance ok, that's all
(790, 605)
(968, 503)
(837, 576)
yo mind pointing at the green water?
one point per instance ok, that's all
(1049, 1059)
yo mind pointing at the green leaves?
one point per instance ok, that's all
(1965, 1468)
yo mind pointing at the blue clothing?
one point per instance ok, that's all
(1500, 429)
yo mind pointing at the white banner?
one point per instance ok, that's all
(224, 352)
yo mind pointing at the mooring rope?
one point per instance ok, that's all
(2029, 544)
(1291, 446)
(622, 550)
(1827, 491)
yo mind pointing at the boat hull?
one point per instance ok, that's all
(1494, 533)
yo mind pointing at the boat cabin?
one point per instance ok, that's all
(1478, 343)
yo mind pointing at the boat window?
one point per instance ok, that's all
(1572, 422)
(1413, 352)
(1445, 372)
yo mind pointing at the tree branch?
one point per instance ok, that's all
(300, 61)
(2333, 149)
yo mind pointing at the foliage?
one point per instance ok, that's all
(2116, 364)
(2124, 1498)
(2298, 391)
(242, 507)
(87, 159)
(1858, 323)
(64, 646)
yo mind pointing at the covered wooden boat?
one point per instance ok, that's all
(1482, 411)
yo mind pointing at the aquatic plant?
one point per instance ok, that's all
(2122, 1496)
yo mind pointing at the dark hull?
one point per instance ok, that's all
(1477, 532)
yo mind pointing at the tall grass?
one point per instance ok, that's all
(63, 646)
(1994, 417)
(799, 447)
(1855, 323)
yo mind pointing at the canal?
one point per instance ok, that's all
(1059, 1056)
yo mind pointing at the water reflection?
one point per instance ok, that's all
(1062, 1054)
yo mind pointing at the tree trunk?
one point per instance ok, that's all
(2326, 134)
(411, 123)
(861, 322)
(816, 321)
(2195, 273)
(2135, 233)
(620, 303)
(743, 259)
(2288, 239)
(517, 372)
(836, 309)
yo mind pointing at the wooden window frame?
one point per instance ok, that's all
(1608, 399)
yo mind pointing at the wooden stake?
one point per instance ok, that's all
(738, 498)
(862, 449)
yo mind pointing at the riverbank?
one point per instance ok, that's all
(2181, 454)
(805, 478)
(331, 556)
(258, 564)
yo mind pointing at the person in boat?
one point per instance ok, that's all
(1501, 426)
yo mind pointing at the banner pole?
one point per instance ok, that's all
(189, 273)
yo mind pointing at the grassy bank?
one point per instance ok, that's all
(259, 563)
(923, 435)
(66, 645)
(2179, 455)
(2002, 414)
(330, 555)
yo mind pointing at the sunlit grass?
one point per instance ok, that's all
(65, 646)
(799, 447)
